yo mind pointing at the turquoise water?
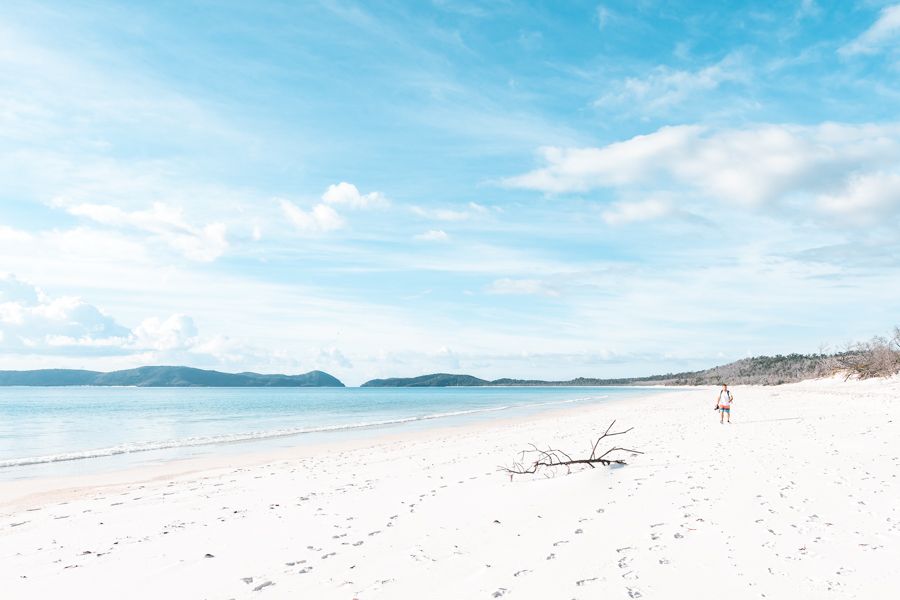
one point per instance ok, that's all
(71, 430)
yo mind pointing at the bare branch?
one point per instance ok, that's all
(553, 457)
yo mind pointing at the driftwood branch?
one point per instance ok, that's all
(534, 459)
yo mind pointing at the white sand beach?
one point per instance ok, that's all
(797, 498)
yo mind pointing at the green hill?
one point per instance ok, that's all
(164, 377)
(434, 380)
(759, 370)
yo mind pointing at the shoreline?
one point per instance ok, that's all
(796, 498)
(63, 487)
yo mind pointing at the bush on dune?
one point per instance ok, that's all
(879, 357)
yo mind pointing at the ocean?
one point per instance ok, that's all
(62, 431)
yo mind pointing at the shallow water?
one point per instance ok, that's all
(71, 430)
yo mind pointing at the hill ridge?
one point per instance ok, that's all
(164, 376)
(759, 370)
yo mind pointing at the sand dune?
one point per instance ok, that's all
(797, 498)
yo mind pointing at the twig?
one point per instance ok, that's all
(552, 457)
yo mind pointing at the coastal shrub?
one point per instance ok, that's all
(878, 357)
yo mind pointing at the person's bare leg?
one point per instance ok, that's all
(721, 416)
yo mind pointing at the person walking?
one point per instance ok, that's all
(723, 403)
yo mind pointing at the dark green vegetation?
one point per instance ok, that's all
(434, 380)
(878, 357)
(165, 377)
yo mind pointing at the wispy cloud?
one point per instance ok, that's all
(472, 210)
(884, 31)
(527, 287)
(621, 213)
(433, 235)
(604, 16)
(664, 87)
(163, 222)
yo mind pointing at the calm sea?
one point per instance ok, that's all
(73, 430)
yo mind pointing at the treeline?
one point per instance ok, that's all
(758, 370)
(879, 357)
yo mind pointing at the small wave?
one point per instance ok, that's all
(136, 447)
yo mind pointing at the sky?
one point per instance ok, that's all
(506, 189)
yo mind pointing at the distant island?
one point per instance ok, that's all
(759, 370)
(164, 377)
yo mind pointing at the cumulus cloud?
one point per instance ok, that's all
(17, 291)
(332, 357)
(320, 218)
(433, 235)
(751, 166)
(8, 234)
(522, 287)
(864, 196)
(323, 217)
(883, 31)
(622, 213)
(178, 332)
(35, 323)
(165, 223)
(347, 194)
(32, 322)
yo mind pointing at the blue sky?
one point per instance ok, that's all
(500, 188)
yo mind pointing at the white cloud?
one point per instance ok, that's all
(320, 219)
(471, 210)
(165, 223)
(665, 87)
(864, 197)
(178, 332)
(347, 194)
(874, 39)
(32, 322)
(751, 166)
(15, 290)
(622, 213)
(8, 234)
(433, 235)
(617, 164)
(808, 8)
(521, 287)
(332, 357)
(604, 16)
